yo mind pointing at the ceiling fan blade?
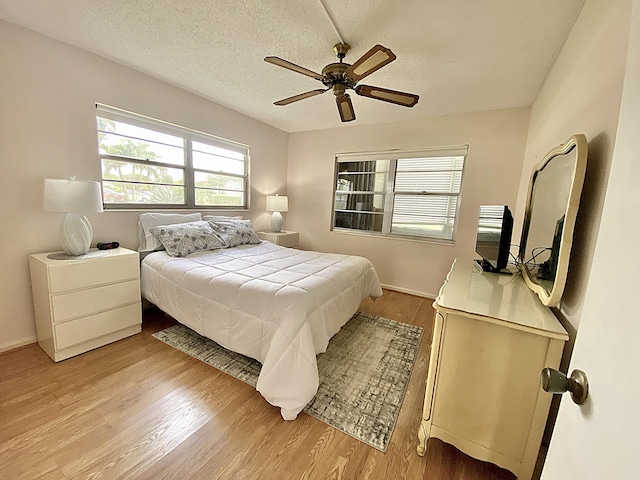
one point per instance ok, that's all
(301, 96)
(345, 108)
(371, 61)
(391, 96)
(292, 66)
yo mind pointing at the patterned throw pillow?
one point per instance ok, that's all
(152, 219)
(236, 232)
(181, 239)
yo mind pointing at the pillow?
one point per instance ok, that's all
(217, 218)
(181, 239)
(236, 232)
(147, 220)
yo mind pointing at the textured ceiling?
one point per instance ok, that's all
(458, 55)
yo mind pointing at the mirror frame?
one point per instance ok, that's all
(552, 298)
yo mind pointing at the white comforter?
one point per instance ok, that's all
(277, 305)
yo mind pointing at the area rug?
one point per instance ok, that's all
(363, 374)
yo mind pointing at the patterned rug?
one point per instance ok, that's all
(363, 374)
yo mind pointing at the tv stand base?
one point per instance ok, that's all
(488, 268)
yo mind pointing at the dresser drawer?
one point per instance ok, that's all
(77, 331)
(82, 274)
(86, 302)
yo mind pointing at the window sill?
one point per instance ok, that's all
(405, 238)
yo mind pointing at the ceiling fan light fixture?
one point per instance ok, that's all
(339, 89)
(371, 61)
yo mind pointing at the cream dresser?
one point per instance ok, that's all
(491, 339)
(84, 303)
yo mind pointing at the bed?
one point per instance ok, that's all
(277, 305)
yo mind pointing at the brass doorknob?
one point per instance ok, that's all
(577, 384)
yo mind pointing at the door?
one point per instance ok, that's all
(601, 439)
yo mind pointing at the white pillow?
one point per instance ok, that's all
(216, 218)
(147, 220)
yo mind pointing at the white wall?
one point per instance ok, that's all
(496, 142)
(47, 130)
(582, 95)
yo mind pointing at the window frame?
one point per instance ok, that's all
(188, 136)
(390, 193)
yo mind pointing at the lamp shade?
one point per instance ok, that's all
(277, 203)
(72, 196)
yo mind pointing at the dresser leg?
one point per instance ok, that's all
(422, 440)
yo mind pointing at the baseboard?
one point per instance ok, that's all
(19, 344)
(409, 291)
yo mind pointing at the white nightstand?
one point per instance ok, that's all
(85, 302)
(285, 239)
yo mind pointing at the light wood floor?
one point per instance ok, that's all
(140, 409)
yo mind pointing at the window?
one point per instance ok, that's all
(399, 193)
(146, 162)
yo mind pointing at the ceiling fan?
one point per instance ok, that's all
(340, 76)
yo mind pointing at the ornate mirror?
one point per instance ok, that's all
(550, 215)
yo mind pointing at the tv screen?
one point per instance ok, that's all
(493, 240)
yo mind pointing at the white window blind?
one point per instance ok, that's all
(150, 163)
(402, 193)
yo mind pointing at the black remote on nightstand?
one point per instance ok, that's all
(107, 245)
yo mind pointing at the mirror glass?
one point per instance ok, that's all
(552, 206)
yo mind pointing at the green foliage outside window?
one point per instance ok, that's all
(143, 166)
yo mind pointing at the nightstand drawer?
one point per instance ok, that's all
(290, 240)
(283, 238)
(82, 274)
(85, 302)
(91, 327)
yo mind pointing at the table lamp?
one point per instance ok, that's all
(277, 204)
(74, 198)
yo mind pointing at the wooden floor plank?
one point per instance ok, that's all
(139, 409)
(142, 441)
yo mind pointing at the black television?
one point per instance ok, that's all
(493, 239)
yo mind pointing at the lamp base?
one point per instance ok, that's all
(276, 222)
(76, 234)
